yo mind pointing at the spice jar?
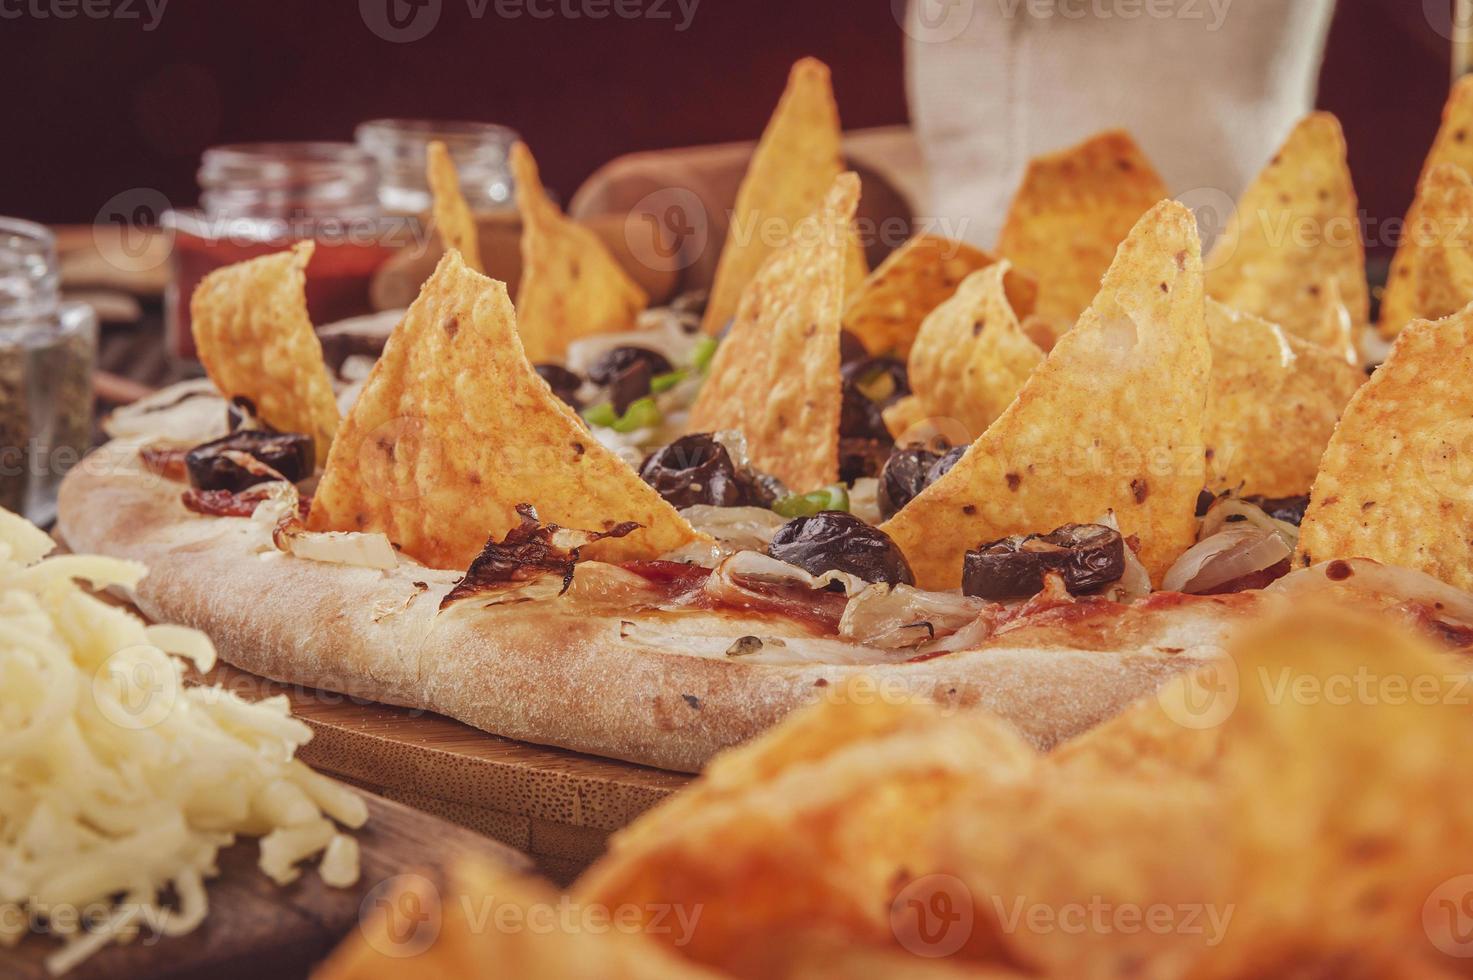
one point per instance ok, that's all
(47, 349)
(257, 198)
(479, 151)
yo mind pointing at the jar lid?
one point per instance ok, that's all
(279, 178)
(29, 273)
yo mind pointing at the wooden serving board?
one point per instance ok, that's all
(557, 806)
(258, 929)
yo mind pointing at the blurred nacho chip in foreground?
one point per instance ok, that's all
(916, 278)
(1272, 405)
(1111, 421)
(776, 375)
(454, 428)
(1296, 228)
(256, 341)
(571, 286)
(1071, 212)
(453, 219)
(1432, 273)
(971, 355)
(796, 160)
(1396, 483)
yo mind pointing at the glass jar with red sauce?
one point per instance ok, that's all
(257, 198)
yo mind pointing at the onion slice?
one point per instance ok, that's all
(1373, 578)
(1223, 557)
(903, 616)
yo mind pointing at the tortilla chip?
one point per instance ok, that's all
(776, 375)
(1111, 421)
(571, 286)
(256, 340)
(1295, 228)
(488, 922)
(1345, 813)
(454, 428)
(1071, 212)
(916, 278)
(971, 356)
(1396, 483)
(795, 163)
(453, 220)
(1272, 405)
(1432, 273)
(1341, 333)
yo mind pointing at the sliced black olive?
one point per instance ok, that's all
(1205, 499)
(696, 469)
(943, 465)
(851, 348)
(616, 361)
(564, 383)
(903, 477)
(1290, 509)
(241, 413)
(1088, 556)
(288, 453)
(881, 379)
(833, 540)
(861, 457)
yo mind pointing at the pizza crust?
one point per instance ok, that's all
(532, 672)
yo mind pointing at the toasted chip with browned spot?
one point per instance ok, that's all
(795, 162)
(776, 376)
(1432, 273)
(1396, 482)
(256, 340)
(453, 220)
(1295, 228)
(915, 279)
(571, 286)
(1272, 404)
(1071, 212)
(454, 428)
(1112, 420)
(971, 355)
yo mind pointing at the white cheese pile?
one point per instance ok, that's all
(119, 785)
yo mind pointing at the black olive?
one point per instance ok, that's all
(288, 453)
(861, 457)
(564, 383)
(616, 361)
(696, 469)
(943, 465)
(240, 413)
(903, 477)
(1289, 509)
(886, 377)
(851, 348)
(836, 540)
(1205, 500)
(1088, 556)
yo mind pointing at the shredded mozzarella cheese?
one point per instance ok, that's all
(118, 784)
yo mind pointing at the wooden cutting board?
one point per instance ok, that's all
(257, 929)
(559, 807)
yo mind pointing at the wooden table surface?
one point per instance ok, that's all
(557, 806)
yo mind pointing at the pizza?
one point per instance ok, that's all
(650, 534)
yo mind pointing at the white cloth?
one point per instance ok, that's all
(1209, 88)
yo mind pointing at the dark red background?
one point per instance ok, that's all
(91, 107)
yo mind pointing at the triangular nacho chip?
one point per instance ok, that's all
(971, 356)
(571, 286)
(1396, 483)
(1338, 332)
(795, 162)
(1069, 215)
(454, 428)
(1111, 421)
(256, 340)
(453, 220)
(1271, 406)
(1432, 273)
(776, 376)
(916, 278)
(1295, 228)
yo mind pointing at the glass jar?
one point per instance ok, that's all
(479, 151)
(257, 198)
(47, 350)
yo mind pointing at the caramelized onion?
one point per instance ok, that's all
(1227, 555)
(1371, 577)
(903, 616)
